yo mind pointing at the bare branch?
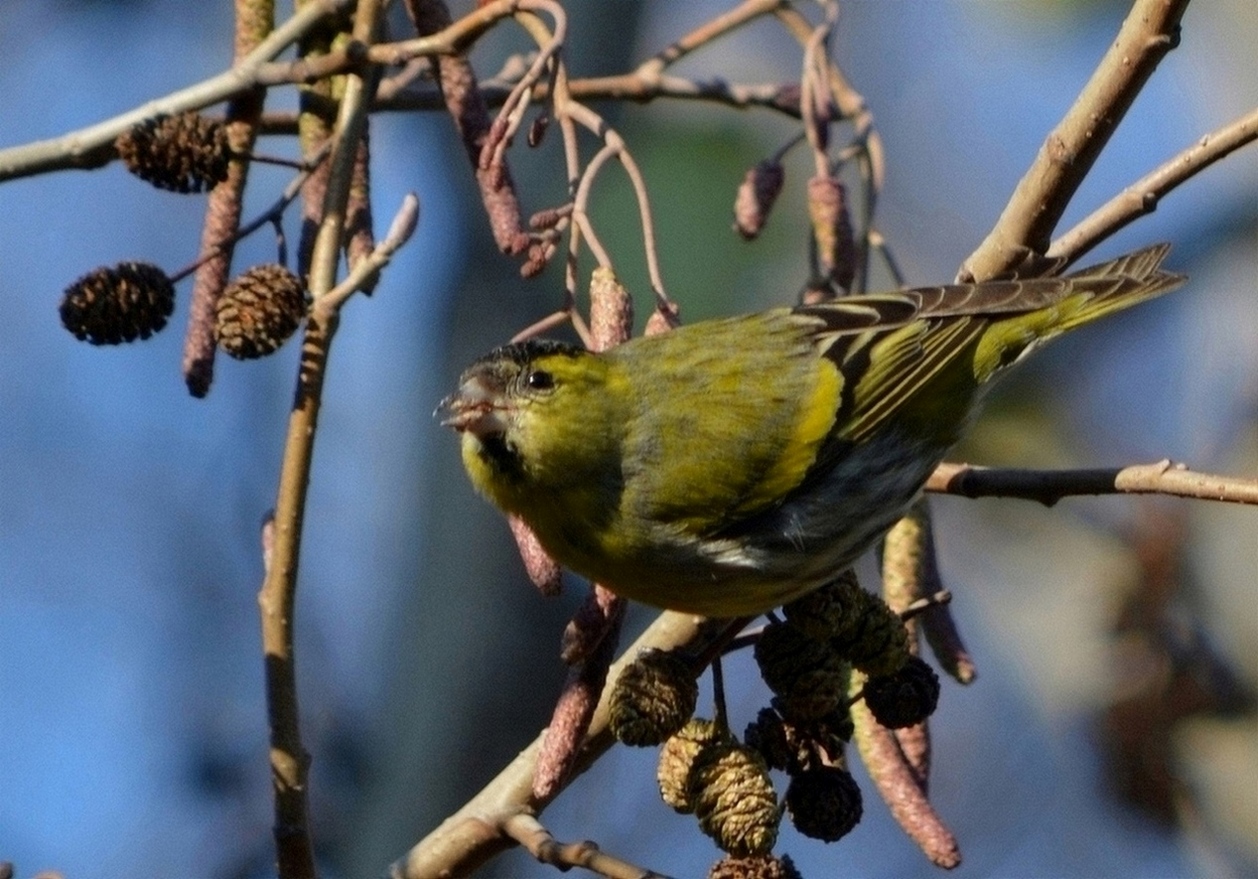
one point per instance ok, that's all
(1142, 197)
(706, 33)
(537, 840)
(93, 146)
(363, 275)
(277, 598)
(1050, 486)
(1149, 32)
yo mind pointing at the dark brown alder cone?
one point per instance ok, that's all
(905, 698)
(878, 644)
(184, 153)
(122, 303)
(755, 867)
(259, 310)
(859, 627)
(808, 676)
(824, 803)
(826, 612)
(794, 747)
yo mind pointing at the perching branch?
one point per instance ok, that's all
(1050, 486)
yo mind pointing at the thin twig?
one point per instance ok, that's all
(631, 86)
(720, 711)
(363, 275)
(866, 140)
(1050, 486)
(921, 605)
(538, 841)
(1150, 30)
(511, 115)
(271, 215)
(92, 146)
(1142, 197)
(289, 762)
(568, 111)
(705, 34)
(595, 123)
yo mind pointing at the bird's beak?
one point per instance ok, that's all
(474, 408)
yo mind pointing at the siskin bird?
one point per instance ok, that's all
(732, 465)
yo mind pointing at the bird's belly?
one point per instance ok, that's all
(783, 553)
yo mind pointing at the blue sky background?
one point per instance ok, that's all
(130, 675)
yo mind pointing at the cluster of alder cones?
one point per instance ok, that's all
(807, 660)
(257, 312)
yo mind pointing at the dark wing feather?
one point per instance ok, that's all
(889, 346)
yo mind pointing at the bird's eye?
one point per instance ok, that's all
(540, 380)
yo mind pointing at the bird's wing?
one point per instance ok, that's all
(885, 360)
(888, 347)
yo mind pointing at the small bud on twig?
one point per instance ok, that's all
(756, 194)
(662, 319)
(537, 130)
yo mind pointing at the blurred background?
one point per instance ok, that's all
(1110, 731)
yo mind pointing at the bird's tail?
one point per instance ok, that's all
(1120, 283)
(1072, 301)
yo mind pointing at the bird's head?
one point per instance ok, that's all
(532, 415)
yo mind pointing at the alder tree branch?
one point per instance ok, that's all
(476, 832)
(363, 275)
(1150, 30)
(538, 841)
(289, 759)
(1049, 486)
(93, 146)
(1142, 197)
(503, 813)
